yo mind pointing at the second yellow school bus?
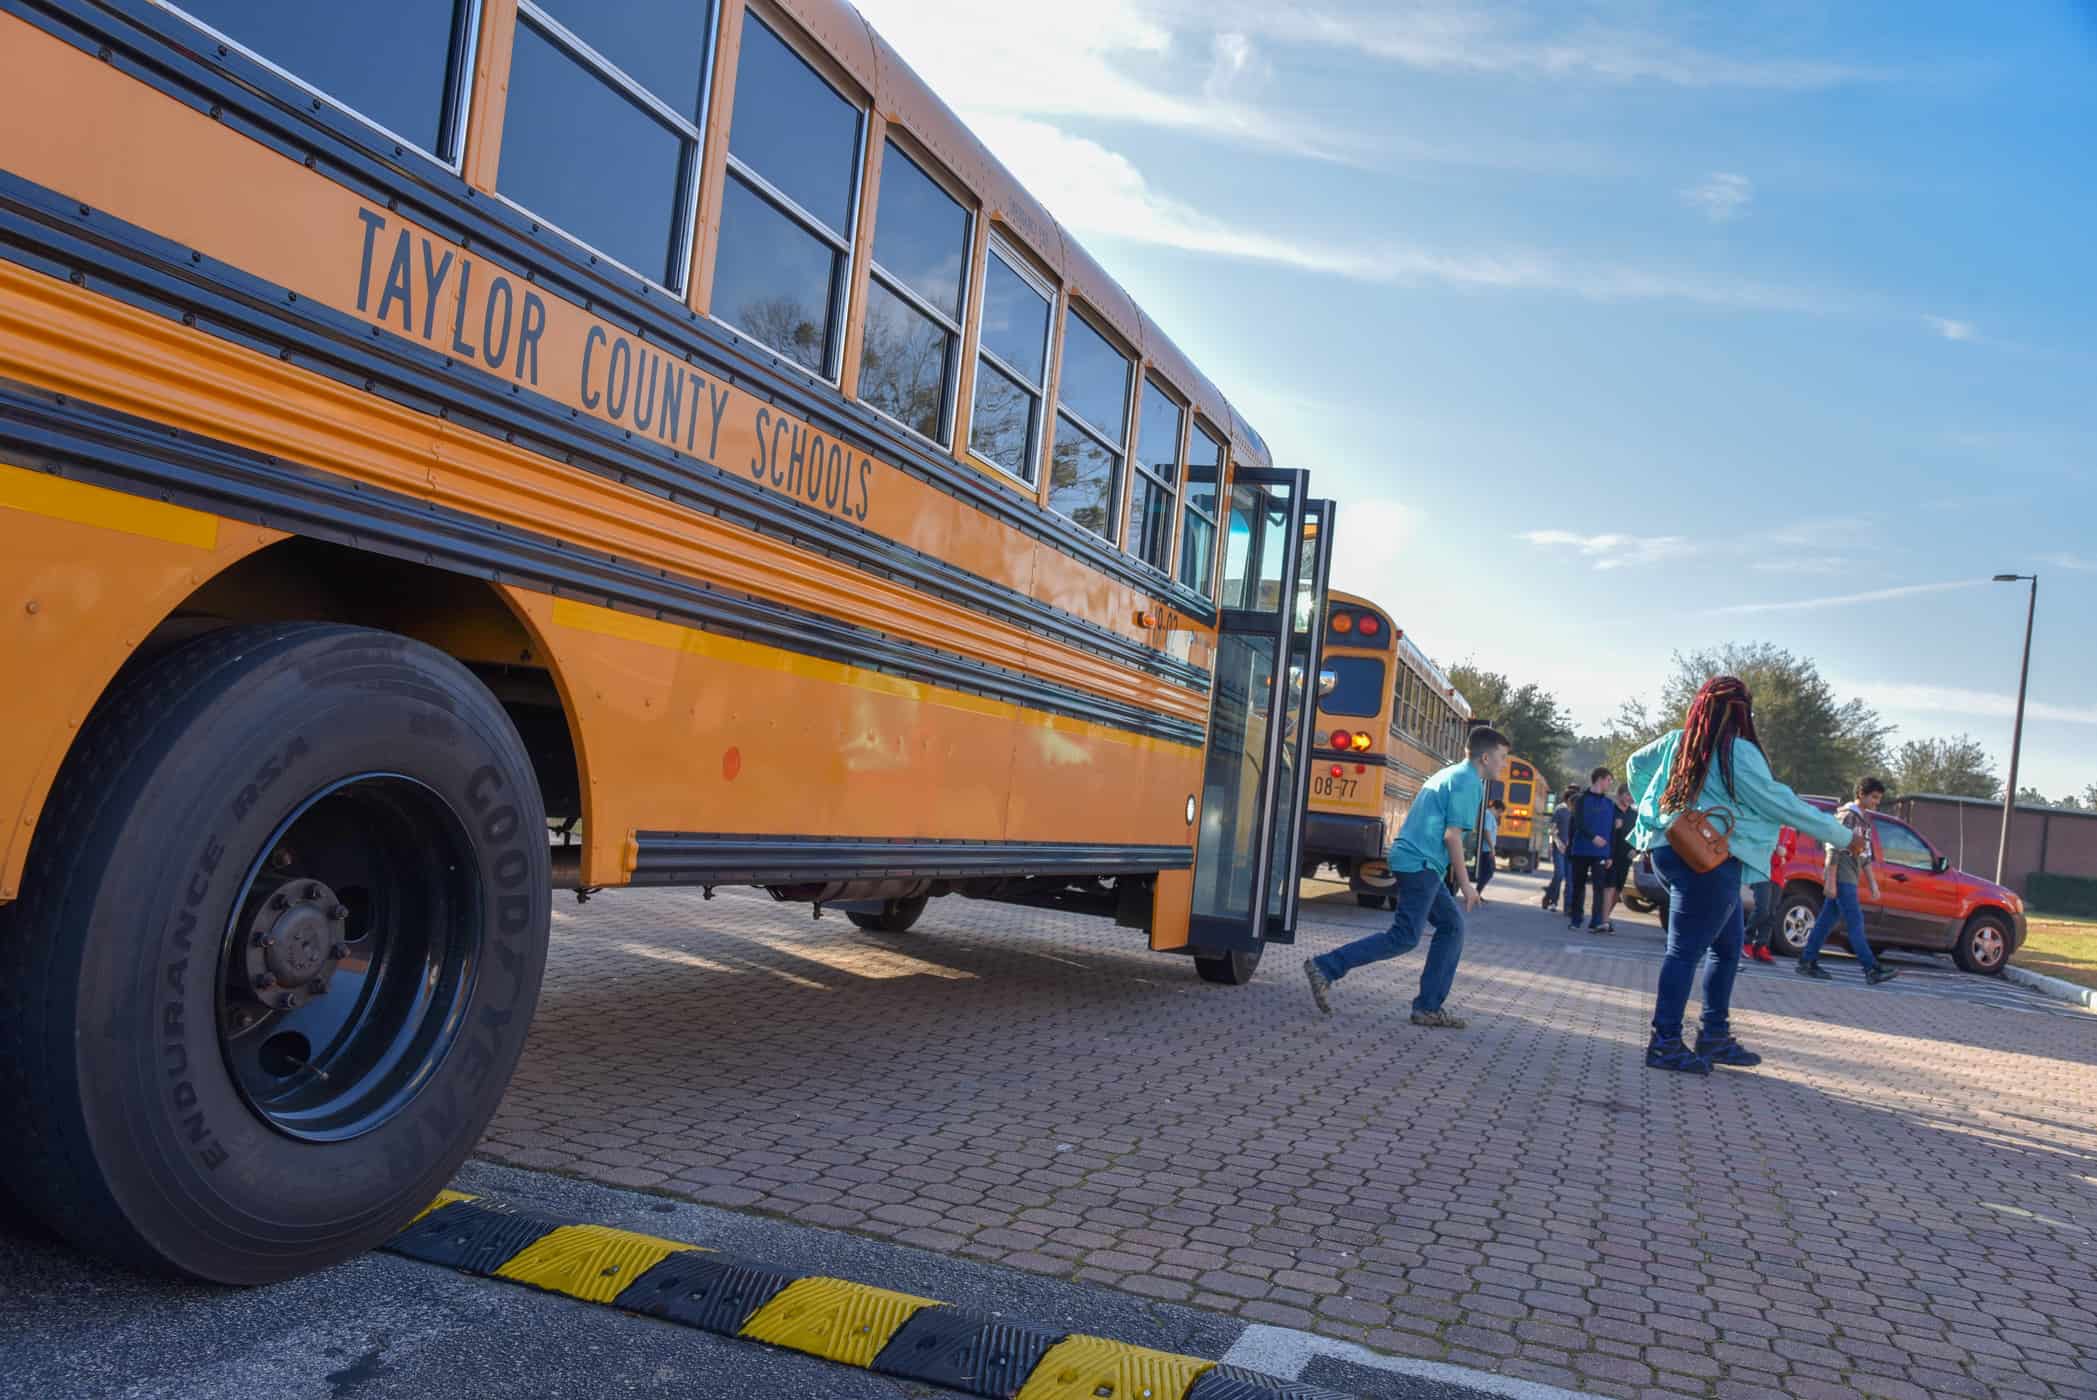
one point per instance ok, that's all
(454, 450)
(1388, 719)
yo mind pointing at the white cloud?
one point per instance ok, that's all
(1950, 329)
(1841, 600)
(1953, 700)
(1455, 36)
(1720, 196)
(1234, 65)
(2073, 562)
(1098, 191)
(1610, 551)
(1076, 58)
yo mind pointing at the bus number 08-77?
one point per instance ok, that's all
(1325, 785)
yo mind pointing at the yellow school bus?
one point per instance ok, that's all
(1523, 793)
(457, 450)
(1388, 719)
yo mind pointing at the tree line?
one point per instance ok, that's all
(1816, 741)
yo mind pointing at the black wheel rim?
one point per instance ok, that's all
(350, 957)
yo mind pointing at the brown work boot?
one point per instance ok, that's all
(1439, 1020)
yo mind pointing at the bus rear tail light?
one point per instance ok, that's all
(1336, 770)
(1370, 627)
(1343, 622)
(1341, 739)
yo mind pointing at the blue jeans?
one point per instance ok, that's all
(1703, 916)
(1558, 868)
(1845, 910)
(1421, 896)
(1587, 873)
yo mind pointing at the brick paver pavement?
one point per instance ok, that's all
(1902, 1204)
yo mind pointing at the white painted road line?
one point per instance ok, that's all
(1285, 1352)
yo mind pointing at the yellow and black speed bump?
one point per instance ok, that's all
(965, 1350)
(897, 1334)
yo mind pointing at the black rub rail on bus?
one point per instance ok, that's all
(106, 448)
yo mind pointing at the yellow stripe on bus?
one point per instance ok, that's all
(671, 636)
(40, 493)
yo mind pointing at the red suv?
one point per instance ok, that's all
(1923, 902)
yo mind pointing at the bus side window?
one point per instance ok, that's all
(1092, 424)
(785, 248)
(608, 151)
(399, 64)
(1198, 511)
(912, 337)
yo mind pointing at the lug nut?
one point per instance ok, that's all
(313, 891)
(291, 1001)
(340, 913)
(339, 951)
(265, 940)
(264, 981)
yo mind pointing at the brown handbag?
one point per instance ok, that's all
(1699, 839)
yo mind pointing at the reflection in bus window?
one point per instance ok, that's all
(1011, 365)
(786, 218)
(913, 311)
(1157, 472)
(1092, 394)
(1198, 511)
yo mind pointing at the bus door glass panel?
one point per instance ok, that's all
(1915, 902)
(1291, 788)
(1235, 827)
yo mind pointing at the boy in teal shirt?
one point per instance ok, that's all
(1430, 845)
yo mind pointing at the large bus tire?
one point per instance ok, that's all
(896, 916)
(1232, 969)
(279, 941)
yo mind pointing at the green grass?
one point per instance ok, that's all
(2061, 947)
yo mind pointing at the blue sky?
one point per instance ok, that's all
(1568, 304)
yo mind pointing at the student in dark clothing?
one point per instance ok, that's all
(1594, 818)
(1619, 858)
(1561, 844)
(1488, 841)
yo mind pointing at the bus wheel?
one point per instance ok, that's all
(1233, 969)
(896, 916)
(280, 939)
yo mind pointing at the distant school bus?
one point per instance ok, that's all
(1522, 791)
(453, 450)
(1388, 719)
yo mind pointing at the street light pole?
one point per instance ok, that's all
(2009, 797)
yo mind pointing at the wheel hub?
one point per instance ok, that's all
(294, 944)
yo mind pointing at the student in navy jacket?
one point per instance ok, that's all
(1594, 825)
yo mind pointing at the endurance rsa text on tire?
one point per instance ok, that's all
(280, 938)
(1232, 969)
(1984, 945)
(896, 916)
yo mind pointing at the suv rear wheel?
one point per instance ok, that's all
(1984, 945)
(1795, 916)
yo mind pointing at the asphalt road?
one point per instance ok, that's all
(382, 1326)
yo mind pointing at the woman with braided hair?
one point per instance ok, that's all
(1714, 760)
